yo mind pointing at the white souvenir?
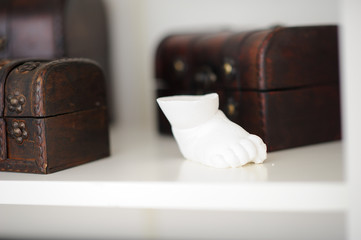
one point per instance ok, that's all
(204, 134)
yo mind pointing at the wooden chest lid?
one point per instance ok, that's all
(288, 57)
(50, 88)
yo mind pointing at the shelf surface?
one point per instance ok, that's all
(146, 170)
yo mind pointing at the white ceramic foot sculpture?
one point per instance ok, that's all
(204, 134)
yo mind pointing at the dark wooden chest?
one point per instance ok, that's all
(281, 84)
(53, 115)
(53, 29)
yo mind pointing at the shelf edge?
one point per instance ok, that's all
(303, 196)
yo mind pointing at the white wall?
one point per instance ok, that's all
(351, 76)
(138, 25)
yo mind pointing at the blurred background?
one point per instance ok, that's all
(137, 26)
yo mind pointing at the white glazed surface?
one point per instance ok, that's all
(186, 111)
(205, 135)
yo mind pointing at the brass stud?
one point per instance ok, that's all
(15, 124)
(16, 102)
(19, 140)
(18, 109)
(212, 77)
(231, 109)
(25, 134)
(179, 65)
(227, 68)
(18, 131)
(21, 100)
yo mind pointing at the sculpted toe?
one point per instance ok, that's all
(261, 148)
(241, 153)
(232, 157)
(217, 161)
(250, 148)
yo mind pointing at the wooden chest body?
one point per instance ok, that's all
(53, 115)
(280, 83)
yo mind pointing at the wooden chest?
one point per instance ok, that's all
(53, 115)
(281, 84)
(53, 29)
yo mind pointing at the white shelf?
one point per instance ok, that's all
(147, 171)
